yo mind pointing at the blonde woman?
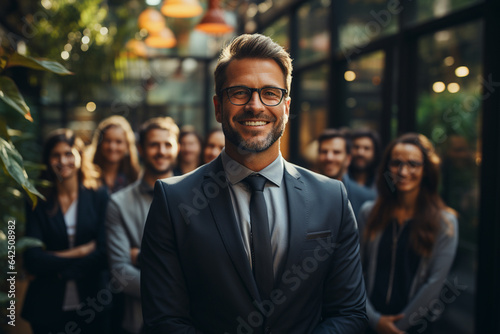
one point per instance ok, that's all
(113, 150)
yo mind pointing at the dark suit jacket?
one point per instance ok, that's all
(357, 194)
(195, 275)
(44, 299)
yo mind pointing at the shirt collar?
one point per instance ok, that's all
(236, 172)
(145, 188)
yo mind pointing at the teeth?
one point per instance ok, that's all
(255, 123)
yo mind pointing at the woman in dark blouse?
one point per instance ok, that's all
(67, 292)
(408, 238)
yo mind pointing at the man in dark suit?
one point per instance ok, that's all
(221, 254)
(334, 158)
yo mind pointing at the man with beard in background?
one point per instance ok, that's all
(127, 211)
(366, 151)
(334, 157)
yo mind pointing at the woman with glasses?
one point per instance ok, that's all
(408, 239)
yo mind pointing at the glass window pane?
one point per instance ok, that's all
(279, 32)
(424, 10)
(313, 117)
(313, 28)
(361, 22)
(362, 104)
(448, 112)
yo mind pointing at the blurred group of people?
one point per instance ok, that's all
(408, 235)
(92, 221)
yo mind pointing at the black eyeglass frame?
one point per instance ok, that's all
(284, 92)
(396, 165)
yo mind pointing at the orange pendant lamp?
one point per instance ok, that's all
(151, 20)
(137, 48)
(181, 8)
(164, 39)
(213, 22)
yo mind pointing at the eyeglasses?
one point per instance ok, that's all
(413, 165)
(269, 96)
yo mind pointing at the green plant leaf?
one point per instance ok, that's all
(37, 64)
(4, 131)
(11, 95)
(12, 163)
(4, 298)
(27, 242)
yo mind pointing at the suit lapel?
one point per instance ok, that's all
(227, 225)
(298, 213)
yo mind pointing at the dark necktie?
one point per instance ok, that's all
(260, 239)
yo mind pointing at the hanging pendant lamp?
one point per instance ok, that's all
(137, 48)
(165, 39)
(181, 8)
(213, 22)
(151, 20)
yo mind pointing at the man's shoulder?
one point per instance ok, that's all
(310, 177)
(358, 190)
(126, 194)
(194, 177)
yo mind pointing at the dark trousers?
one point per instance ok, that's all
(70, 322)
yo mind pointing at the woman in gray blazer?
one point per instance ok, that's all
(408, 239)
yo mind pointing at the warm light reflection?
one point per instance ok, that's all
(462, 71)
(104, 31)
(376, 80)
(349, 76)
(438, 87)
(68, 47)
(65, 55)
(453, 87)
(91, 106)
(85, 40)
(47, 4)
(448, 61)
(84, 47)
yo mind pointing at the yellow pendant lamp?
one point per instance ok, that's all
(213, 22)
(181, 8)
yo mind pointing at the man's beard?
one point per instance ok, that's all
(254, 146)
(155, 171)
(367, 166)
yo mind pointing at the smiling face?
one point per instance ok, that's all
(213, 146)
(333, 159)
(114, 145)
(64, 161)
(159, 152)
(253, 127)
(407, 168)
(189, 149)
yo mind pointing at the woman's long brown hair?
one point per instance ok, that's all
(429, 206)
